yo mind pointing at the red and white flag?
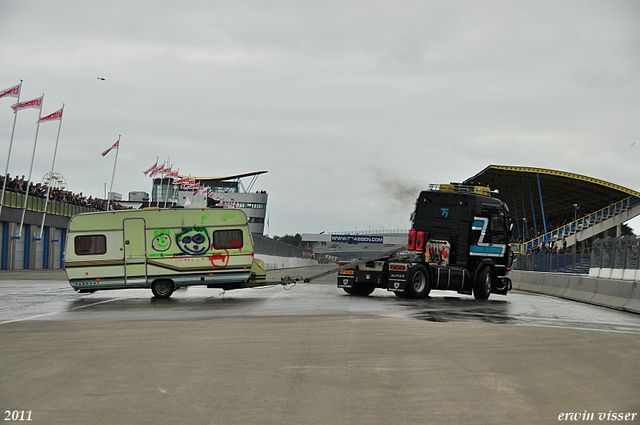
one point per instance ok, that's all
(181, 181)
(57, 115)
(194, 186)
(173, 174)
(203, 190)
(152, 169)
(159, 169)
(116, 145)
(35, 103)
(10, 92)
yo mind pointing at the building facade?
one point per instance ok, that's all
(235, 191)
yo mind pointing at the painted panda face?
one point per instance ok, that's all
(194, 241)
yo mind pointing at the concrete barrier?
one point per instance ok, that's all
(613, 293)
(617, 294)
(552, 286)
(273, 262)
(580, 288)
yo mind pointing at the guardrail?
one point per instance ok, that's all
(37, 204)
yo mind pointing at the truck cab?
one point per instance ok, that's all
(459, 240)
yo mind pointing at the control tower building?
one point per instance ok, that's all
(234, 191)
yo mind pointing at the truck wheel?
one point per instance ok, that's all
(364, 290)
(360, 289)
(417, 285)
(162, 288)
(350, 291)
(482, 288)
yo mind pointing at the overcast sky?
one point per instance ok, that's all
(351, 106)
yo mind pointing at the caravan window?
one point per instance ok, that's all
(228, 239)
(90, 245)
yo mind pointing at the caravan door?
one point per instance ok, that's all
(135, 251)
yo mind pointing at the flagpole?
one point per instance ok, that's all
(33, 155)
(53, 162)
(6, 168)
(170, 185)
(164, 176)
(150, 172)
(115, 161)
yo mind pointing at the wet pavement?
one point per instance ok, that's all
(307, 354)
(54, 300)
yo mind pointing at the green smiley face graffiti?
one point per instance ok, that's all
(161, 242)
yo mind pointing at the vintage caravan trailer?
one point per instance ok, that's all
(163, 249)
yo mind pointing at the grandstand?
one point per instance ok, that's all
(549, 205)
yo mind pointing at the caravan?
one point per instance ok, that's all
(163, 249)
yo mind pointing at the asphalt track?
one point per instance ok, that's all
(308, 354)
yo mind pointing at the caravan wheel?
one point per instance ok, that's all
(162, 288)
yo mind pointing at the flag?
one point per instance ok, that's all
(57, 115)
(173, 174)
(203, 190)
(180, 181)
(10, 92)
(152, 169)
(35, 103)
(116, 145)
(157, 170)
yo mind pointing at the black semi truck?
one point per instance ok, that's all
(459, 241)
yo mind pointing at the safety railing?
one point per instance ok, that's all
(37, 204)
(577, 225)
(573, 263)
(616, 253)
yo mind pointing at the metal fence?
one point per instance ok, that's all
(557, 263)
(616, 253)
(608, 253)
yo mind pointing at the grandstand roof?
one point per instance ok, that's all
(232, 177)
(518, 187)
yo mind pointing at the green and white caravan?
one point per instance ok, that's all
(164, 249)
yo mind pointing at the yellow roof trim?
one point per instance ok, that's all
(568, 175)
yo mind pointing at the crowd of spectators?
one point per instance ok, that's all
(20, 185)
(553, 222)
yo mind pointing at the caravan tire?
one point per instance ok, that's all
(162, 288)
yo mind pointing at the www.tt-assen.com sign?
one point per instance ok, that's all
(356, 238)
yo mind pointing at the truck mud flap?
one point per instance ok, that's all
(396, 285)
(345, 281)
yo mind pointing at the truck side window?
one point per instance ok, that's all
(497, 223)
(90, 245)
(498, 229)
(228, 239)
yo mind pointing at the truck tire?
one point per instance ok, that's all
(364, 289)
(162, 288)
(482, 287)
(360, 289)
(417, 285)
